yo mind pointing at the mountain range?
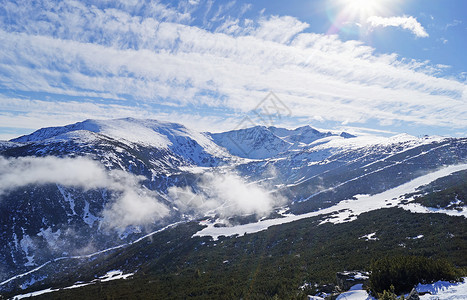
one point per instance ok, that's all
(156, 200)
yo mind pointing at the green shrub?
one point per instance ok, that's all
(404, 272)
(389, 295)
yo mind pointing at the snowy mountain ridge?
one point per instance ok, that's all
(147, 132)
(260, 142)
(292, 172)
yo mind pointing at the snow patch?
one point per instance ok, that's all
(33, 294)
(357, 275)
(418, 208)
(27, 245)
(315, 298)
(416, 237)
(111, 275)
(88, 217)
(355, 293)
(443, 290)
(128, 231)
(68, 198)
(50, 236)
(15, 239)
(31, 281)
(114, 275)
(369, 237)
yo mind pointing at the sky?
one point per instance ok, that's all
(367, 67)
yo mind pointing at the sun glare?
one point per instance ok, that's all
(362, 9)
(349, 15)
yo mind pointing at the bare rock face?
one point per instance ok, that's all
(345, 280)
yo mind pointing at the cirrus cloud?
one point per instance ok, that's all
(158, 62)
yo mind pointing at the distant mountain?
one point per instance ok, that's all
(304, 135)
(308, 169)
(256, 142)
(262, 142)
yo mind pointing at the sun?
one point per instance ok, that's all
(350, 16)
(362, 9)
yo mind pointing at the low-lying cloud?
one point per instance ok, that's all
(133, 204)
(225, 195)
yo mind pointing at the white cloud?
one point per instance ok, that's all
(453, 24)
(62, 113)
(279, 29)
(226, 195)
(134, 204)
(154, 66)
(134, 207)
(318, 68)
(405, 22)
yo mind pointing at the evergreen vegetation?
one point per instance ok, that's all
(389, 295)
(267, 264)
(448, 192)
(402, 273)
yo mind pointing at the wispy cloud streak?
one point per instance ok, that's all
(406, 22)
(145, 61)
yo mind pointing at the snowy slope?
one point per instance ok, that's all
(347, 210)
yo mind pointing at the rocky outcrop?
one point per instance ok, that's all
(345, 280)
(413, 295)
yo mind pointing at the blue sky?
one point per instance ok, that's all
(380, 66)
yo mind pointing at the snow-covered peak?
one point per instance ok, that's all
(140, 131)
(256, 142)
(305, 134)
(196, 146)
(129, 129)
(262, 142)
